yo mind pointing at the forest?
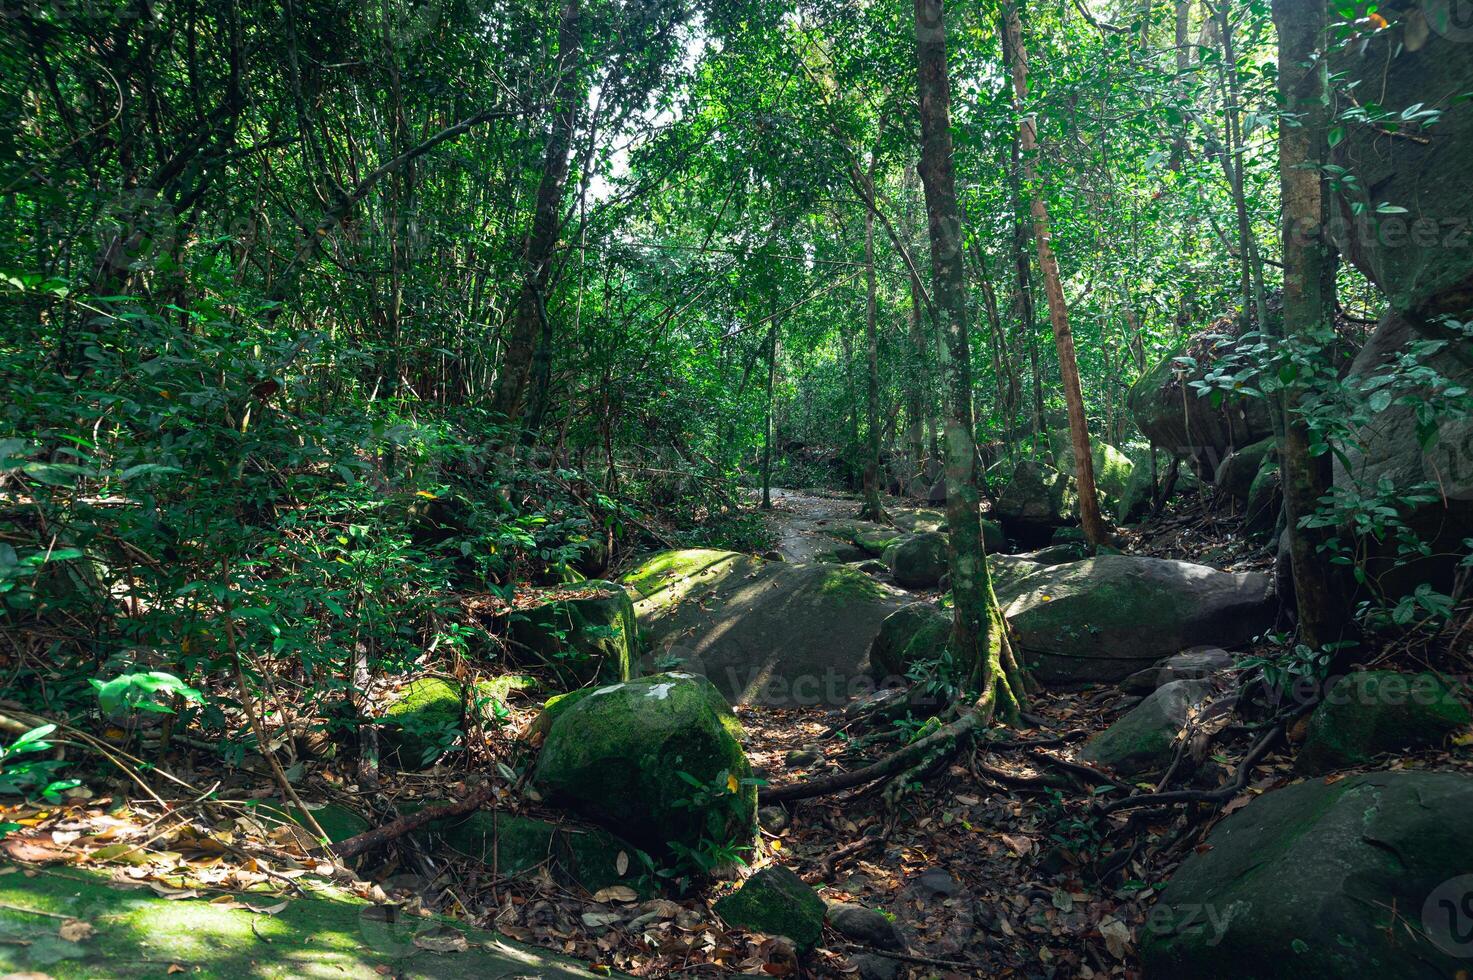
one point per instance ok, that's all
(682, 488)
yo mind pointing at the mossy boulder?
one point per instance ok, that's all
(1235, 475)
(842, 553)
(589, 636)
(1143, 740)
(517, 845)
(874, 540)
(1354, 878)
(422, 721)
(775, 901)
(616, 755)
(1112, 468)
(1136, 499)
(910, 635)
(919, 561)
(1370, 712)
(1104, 618)
(1265, 501)
(1033, 501)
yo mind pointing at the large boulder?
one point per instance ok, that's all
(1235, 475)
(1431, 483)
(583, 632)
(1173, 416)
(422, 721)
(919, 562)
(1144, 739)
(1104, 618)
(1033, 502)
(1403, 220)
(1370, 712)
(908, 636)
(1356, 878)
(657, 760)
(778, 633)
(1112, 468)
(1265, 501)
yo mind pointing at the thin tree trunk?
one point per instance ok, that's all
(527, 320)
(1084, 473)
(874, 508)
(1309, 295)
(767, 435)
(979, 633)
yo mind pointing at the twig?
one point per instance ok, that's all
(379, 836)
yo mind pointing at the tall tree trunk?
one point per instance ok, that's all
(767, 433)
(918, 393)
(1255, 303)
(1183, 63)
(874, 508)
(527, 320)
(1023, 269)
(1309, 296)
(979, 633)
(1084, 472)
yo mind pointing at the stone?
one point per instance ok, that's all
(771, 633)
(911, 635)
(518, 845)
(1104, 618)
(615, 755)
(1265, 501)
(1321, 879)
(1366, 713)
(937, 883)
(871, 566)
(1059, 554)
(1033, 501)
(843, 553)
(1136, 498)
(1112, 469)
(421, 721)
(1235, 474)
(1194, 664)
(590, 637)
(1174, 417)
(773, 819)
(872, 966)
(802, 758)
(873, 540)
(866, 926)
(920, 561)
(1144, 739)
(775, 901)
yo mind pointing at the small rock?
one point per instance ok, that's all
(802, 758)
(872, 966)
(775, 901)
(866, 926)
(1144, 739)
(773, 556)
(773, 819)
(938, 883)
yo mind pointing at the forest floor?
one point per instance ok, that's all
(988, 866)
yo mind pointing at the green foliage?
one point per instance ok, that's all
(31, 776)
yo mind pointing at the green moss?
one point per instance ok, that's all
(1370, 712)
(875, 540)
(324, 933)
(849, 584)
(614, 754)
(661, 573)
(912, 634)
(581, 639)
(421, 718)
(775, 901)
(517, 845)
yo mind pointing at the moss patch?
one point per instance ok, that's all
(517, 845)
(1370, 712)
(775, 901)
(581, 639)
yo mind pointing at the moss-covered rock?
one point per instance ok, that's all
(919, 561)
(1320, 879)
(1135, 501)
(874, 540)
(1265, 501)
(615, 754)
(1370, 712)
(319, 932)
(1033, 498)
(1235, 474)
(775, 901)
(1104, 618)
(842, 553)
(517, 845)
(910, 635)
(1144, 739)
(421, 722)
(591, 636)
(1112, 468)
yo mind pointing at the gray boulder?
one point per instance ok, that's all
(1103, 619)
(1144, 739)
(1194, 664)
(919, 562)
(1235, 475)
(1370, 712)
(1357, 878)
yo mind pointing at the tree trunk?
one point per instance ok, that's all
(1308, 306)
(979, 633)
(1084, 473)
(531, 311)
(767, 435)
(874, 508)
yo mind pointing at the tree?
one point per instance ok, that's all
(1084, 472)
(1309, 296)
(979, 633)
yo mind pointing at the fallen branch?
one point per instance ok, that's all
(379, 836)
(1222, 794)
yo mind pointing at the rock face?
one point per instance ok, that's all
(615, 754)
(776, 902)
(919, 562)
(1265, 501)
(1389, 448)
(1236, 474)
(1370, 712)
(1421, 257)
(910, 634)
(1350, 879)
(1102, 619)
(779, 633)
(1144, 739)
(1033, 502)
(1169, 413)
(1112, 469)
(593, 636)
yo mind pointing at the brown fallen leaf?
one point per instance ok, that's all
(75, 930)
